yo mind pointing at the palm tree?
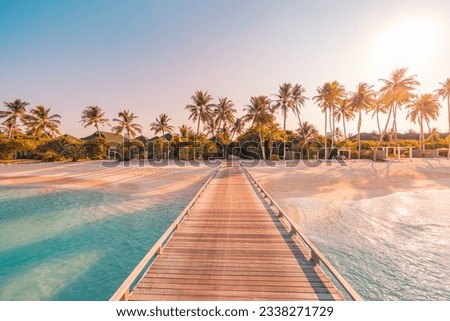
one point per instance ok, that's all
(125, 123)
(362, 99)
(161, 125)
(399, 91)
(379, 106)
(94, 116)
(238, 127)
(224, 113)
(15, 111)
(185, 131)
(298, 100)
(259, 113)
(284, 102)
(10, 127)
(201, 109)
(345, 113)
(329, 97)
(444, 92)
(396, 92)
(422, 109)
(40, 122)
(308, 132)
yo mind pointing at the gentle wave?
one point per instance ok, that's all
(394, 247)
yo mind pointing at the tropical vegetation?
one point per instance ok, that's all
(35, 133)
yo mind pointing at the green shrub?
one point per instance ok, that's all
(95, 149)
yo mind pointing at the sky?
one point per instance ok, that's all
(151, 56)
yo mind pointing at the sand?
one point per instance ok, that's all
(359, 179)
(141, 182)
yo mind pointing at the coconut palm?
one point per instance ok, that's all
(161, 125)
(201, 109)
(379, 106)
(422, 109)
(41, 122)
(398, 89)
(362, 99)
(224, 114)
(396, 92)
(259, 113)
(444, 92)
(307, 131)
(185, 131)
(344, 112)
(238, 127)
(298, 100)
(14, 112)
(94, 116)
(284, 103)
(329, 97)
(125, 124)
(10, 127)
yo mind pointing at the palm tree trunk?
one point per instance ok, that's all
(198, 126)
(359, 134)
(98, 131)
(448, 106)
(378, 122)
(429, 134)
(421, 138)
(263, 149)
(284, 139)
(345, 130)
(301, 124)
(326, 152)
(384, 134)
(332, 128)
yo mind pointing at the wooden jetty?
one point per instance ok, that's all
(233, 242)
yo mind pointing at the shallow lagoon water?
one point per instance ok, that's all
(73, 244)
(393, 247)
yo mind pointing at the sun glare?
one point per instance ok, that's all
(412, 43)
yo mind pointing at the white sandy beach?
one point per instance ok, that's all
(131, 179)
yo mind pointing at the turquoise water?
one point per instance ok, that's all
(393, 247)
(74, 244)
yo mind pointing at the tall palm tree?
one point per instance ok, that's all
(284, 103)
(344, 112)
(125, 123)
(238, 127)
(15, 111)
(298, 100)
(422, 109)
(397, 91)
(41, 122)
(201, 108)
(259, 113)
(362, 99)
(161, 125)
(329, 97)
(224, 113)
(444, 92)
(94, 116)
(379, 106)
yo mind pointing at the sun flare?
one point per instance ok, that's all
(412, 43)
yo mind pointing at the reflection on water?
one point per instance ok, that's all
(394, 247)
(74, 245)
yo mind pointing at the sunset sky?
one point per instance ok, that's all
(150, 56)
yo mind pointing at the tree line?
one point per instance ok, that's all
(218, 120)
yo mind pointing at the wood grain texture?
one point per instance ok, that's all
(232, 247)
